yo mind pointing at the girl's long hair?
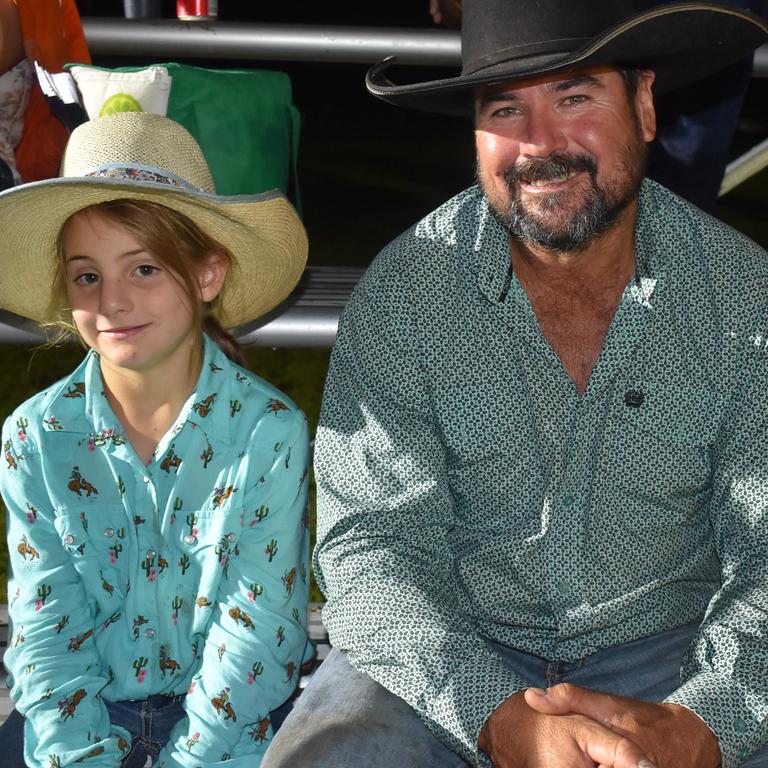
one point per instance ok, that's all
(177, 243)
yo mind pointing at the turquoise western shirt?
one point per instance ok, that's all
(187, 574)
(467, 492)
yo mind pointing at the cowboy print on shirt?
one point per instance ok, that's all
(187, 575)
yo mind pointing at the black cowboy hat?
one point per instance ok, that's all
(504, 41)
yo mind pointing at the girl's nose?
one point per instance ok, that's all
(114, 297)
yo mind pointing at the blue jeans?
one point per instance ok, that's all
(149, 722)
(345, 720)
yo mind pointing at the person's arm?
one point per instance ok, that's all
(720, 710)
(51, 654)
(257, 638)
(725, 673)
(384, 560)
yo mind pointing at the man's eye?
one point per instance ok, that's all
(574, 100)
(506, 111)
(87, 278)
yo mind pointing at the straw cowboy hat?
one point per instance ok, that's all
(504, 41)
(142, 156)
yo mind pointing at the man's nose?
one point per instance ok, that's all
(542, 135)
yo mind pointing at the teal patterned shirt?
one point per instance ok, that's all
(467, 493)
(185, 574)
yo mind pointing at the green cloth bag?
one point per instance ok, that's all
(244, 119)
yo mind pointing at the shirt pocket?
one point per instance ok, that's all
(658, 454)
(205, 544)
(97, 540)
(491, 462)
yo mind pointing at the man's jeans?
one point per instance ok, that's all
(346, 720)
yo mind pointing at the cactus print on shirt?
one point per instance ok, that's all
(187, 575)
(467, 492)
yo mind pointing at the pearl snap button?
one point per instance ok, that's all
(150, 633)
(190, 539)
(69, 539)
(109, 532)
(231, 537)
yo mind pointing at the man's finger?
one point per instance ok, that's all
(609, 749)
(616, 752)
(567, 699)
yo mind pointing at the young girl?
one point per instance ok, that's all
(156, 497)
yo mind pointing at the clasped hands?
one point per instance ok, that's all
(571, 727)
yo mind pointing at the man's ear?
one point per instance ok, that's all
(646, 112)
(212, 275)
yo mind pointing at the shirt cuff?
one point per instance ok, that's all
(490, 681)
(736, 716)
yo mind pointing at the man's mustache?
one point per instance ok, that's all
(549, 168)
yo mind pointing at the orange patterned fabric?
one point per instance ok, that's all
(53, 36)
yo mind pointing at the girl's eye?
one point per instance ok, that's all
(87, 278)
(145, 270)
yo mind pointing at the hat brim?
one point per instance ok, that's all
(263, 233)
(681, 43)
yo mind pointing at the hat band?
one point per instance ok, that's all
(136, 172)
(563, 45)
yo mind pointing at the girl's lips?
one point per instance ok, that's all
(122, 333)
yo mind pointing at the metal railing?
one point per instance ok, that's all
(307, 318)
(276, 42)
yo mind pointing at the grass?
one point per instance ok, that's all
(299, 373)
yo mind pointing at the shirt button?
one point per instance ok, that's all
(564, 588)
(109, 532)
(568, 501)
(69, 539)
(741, 725)
(146, 479)
(190, 539)
(151, 554)
(150, 633)
(231, 537)
(745, 752)
(634, 398)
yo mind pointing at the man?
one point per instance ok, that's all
(542, 457)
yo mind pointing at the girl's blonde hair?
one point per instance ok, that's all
(176, 242)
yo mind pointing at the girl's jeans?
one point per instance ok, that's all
(149, 722)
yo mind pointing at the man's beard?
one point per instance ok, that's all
(597, 213)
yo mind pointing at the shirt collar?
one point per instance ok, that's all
(79, 404)
(489, 249)
(490, 254)
(210, 402)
